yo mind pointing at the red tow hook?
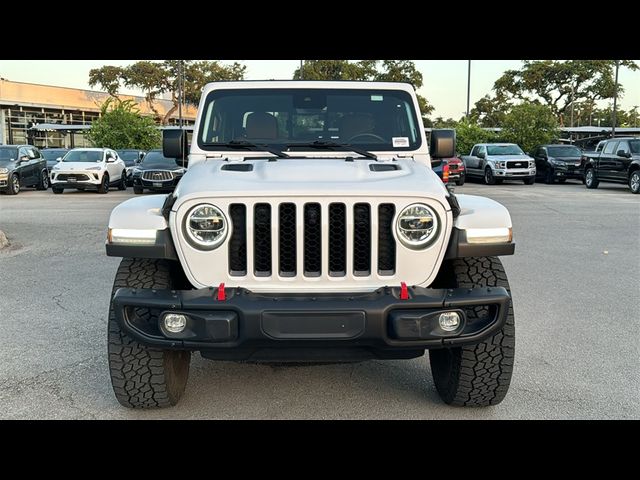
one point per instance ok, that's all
(221, 295)
(404, 291)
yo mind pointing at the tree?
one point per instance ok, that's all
(490, 111)
(558, 83)
(468, 133)
(528, 125)
(366, 70)
(157, 78)
(122, 126)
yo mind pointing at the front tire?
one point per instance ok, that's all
(476, 375)
(529, 180)
(104, 186)
(634, 182)
(14, 185)
(549, 177)
(590, 179)
(43, 184)
(56, 190)
(123, 183)
(137, 190)
(141, 376)
(460, 181)
(489, 179)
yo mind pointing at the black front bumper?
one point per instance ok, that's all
(138, 181)
(301, 327)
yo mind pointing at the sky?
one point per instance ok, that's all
(445, 81)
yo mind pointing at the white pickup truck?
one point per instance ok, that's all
(495, 162)
(310, 226)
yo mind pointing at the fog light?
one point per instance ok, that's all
(175, 322)
(449, 321)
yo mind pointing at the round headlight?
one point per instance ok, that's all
(206, 226)
(417, 226)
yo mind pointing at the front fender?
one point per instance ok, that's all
(483, 228)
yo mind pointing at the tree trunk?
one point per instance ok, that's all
(167, 115)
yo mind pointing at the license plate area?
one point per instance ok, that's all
(157, 184)
(302, 325)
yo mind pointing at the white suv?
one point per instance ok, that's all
(89, 168)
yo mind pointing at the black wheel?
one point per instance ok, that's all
(14, 185)
(123, 183)
(562, 180)
(634, 182)
(104, 186)
(549, 178)
(460, 181)
(476, 375)
(43, 183)
(57, 190)
(137, 190)
(529, 180)
(489, 179)
(141, 376)
(590, 179)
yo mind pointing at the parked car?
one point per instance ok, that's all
(156, 172)
(285, 247)
(53, 156)
(131, 157)
(89, 169)
(557, 162)
(450, 170)
(495, 162)
(22, 166)
(618, 162)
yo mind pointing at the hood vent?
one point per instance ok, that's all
(238, 167)
(383, 167)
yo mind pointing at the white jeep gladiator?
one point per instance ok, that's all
(310, 227)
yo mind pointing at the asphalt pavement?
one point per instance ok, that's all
(574, 278)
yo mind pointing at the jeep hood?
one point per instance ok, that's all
(310, 177)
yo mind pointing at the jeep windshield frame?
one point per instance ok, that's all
(279, 118)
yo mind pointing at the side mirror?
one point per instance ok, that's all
(111, 160)
(140, 157)
(443, 143)
(622, 153)
(174, 142)
(482, 155)
(59, 159)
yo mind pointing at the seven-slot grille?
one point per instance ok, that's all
(312, 240)
(157, 175)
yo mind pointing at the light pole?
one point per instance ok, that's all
(180, 67)
(572, 94)
(615, 103)
(468, 86)
(301, 76)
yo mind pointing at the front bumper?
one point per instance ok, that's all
(564, 172)
(151, 185)
(514, 173)
(94, 179)
(250, 326)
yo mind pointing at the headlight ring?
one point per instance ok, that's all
(205, 227)
(417, 226)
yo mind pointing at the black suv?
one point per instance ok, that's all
(557, 162)
(52, 156)
(131, 157)
(22, 166)
(156, 172)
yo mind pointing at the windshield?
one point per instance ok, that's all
(53, 154)
(635, 146)
(8, 153)
(564, 151)
(155, 159)
(129, 156)
(83, 156)
(367, 119)
(504, 150)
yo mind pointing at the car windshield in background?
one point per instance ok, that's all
(53, 154)
(280, 118)
(504, 150)
(129, 156)
(635, 146)
(83, 156)
(8, 153)
(564, 151)
(155, 159)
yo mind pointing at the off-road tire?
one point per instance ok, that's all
(138, 190)
(590, 178)
(141, 376)
(104, 185)
(476, 375)
(489, 178)
(43, 183)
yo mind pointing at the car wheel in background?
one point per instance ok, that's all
(562, 180)
(634, 182)
(104, 186)
(590, 179)
(123, 183)
(137, 190)
(57, 190)
(460, 181)
(529, 180)
(548, 178)
(14, 185)
(43, 184)
(488, 176)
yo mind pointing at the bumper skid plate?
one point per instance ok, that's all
(246, 322)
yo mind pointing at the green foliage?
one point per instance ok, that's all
(122, 126)
(490, 111)
(468, 133)
(366, 70)
(157, 78)
(528, 125)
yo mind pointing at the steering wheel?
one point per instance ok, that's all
(377, 137)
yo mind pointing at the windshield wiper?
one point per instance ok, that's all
(333, 145)
(249, 146)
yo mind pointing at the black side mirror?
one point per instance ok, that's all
(622, 153)
(443, 143)
(481, 155)
(174, 143)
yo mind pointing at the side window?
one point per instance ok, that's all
(33, 153)
(624, 146)
(22, 152)
(474, 151)
(609, 147)
(482, 149)
(540, 152)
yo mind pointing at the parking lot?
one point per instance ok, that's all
(574, 280)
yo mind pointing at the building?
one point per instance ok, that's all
(23, 105)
